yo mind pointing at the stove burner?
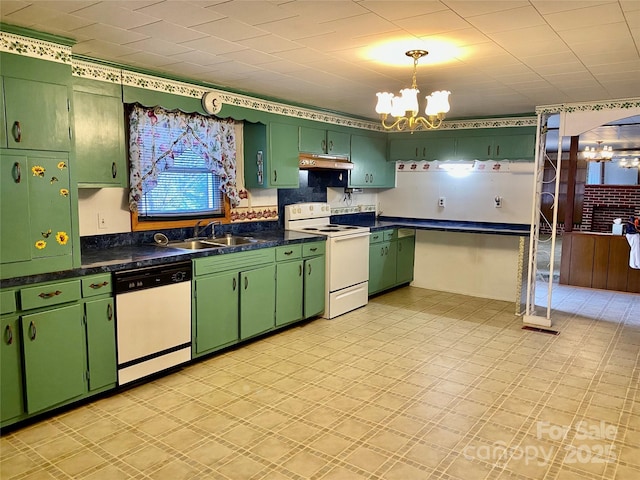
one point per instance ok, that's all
(349, 227)
(330, 230)
(310, 228)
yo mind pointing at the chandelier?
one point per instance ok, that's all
(601, 153)
(629, 163)
(405, 107)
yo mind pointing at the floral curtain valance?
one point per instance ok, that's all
(157, 136)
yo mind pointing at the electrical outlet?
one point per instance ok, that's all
(441, 202)
(102, 222)
(497, 201)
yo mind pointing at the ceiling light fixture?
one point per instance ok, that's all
(405, 107)
(601, 153)
(629, 163)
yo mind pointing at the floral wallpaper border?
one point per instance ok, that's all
(31, 47)
(352, 209)
(623, 103)
(257, 214)
(81, 68)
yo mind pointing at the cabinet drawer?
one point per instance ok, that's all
(312, 249)
(288, 252)
(51, 294)
(233, 261)
(96, 285)
(7, 301)
(390, 235)
(379, 236)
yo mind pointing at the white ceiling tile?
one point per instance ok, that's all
(67, 6)
(466, 8)
(213, 45)
(547, 6)
(199, 57)
(402, 9)
(9, 7)
(270, 43)
(102, 50)
(514, 19)
(295, 28)
(251, 57)
(433, 23)
(181, 13)
(464, 36)
(595, 16)
(109, 33)
(616, 69)
(515, 41)
(252, 12)
(170, 31)
(187, 69)
(30, 15)
(145, 59)
(230, 29)
(630, 5)
(324, 11)
(159, 47)
(104, 12)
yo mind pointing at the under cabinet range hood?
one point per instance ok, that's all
(310, 161)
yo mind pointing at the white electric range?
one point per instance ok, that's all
(347, 255)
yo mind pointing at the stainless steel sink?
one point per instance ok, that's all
(231, 240)
(193, 244)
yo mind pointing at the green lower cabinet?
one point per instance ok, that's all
(405, 258)
(382, 266)
(216, 312)
(289, 292)
(257, 301)
(10, 369)
(314, 286)
(101, 343)
(54, 356)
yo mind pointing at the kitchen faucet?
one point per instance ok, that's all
(198, 229)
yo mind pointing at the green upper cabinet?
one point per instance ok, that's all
(271, 155)
(99, 134)
(416, 149)
(36, 233)
(36, 102)
(324, 142)
(370, 166)
(514, 143)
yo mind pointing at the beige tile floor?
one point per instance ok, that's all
(416, 385)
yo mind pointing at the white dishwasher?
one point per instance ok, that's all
(153, 319)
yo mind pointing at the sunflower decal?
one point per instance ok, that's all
(62, 238)
(64, 192)
(62, 165)
(37, 171)
(40, 244)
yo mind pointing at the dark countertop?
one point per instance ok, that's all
(106, 260)
(383, 223)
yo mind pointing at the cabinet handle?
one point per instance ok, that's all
(488, 150)
(8, 333)
(275, 175)
(323, 145)
(300, 270)
(98, 285)
(32, 331)
(246, 282)
(313, 249)
(17, 131)
(309, 273)
(288, 252)
(50, 294)
(114, 170)
(381, 251)
(386, 250)
(375, 237)
(424, 151)
(16, 168)
(109, 312)
(235, 284)
(371, 178)
(416, 152)
(498, 150)
(331, 146)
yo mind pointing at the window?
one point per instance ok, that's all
(182, 166)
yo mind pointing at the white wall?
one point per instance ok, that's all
(110, 204)
(470, 198)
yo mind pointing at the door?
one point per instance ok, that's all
(216, 311)
(14, 208)
(101, 343)
(37, 115)
(257, 301)
(10, 369)
(54, 356)
(314, 286)
(406, 253)
(348, 259)
(289, 283)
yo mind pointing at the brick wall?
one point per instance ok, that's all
(603, 203)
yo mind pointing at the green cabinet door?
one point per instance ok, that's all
(474, 148)
(289, 285)
(54, 356)
(216, 312)
(11, 401)
(99, 140)
(14, 208)
(283, 146)
(515, 147)
(314, 286)
(3, 120)
(338, 143)
(257, 301)
(37, 115)
(369, 157)
(382, 266)
(406, 254)
(101, 343)
(312, 140)
(49, 206)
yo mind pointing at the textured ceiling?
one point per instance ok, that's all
(510, 55)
